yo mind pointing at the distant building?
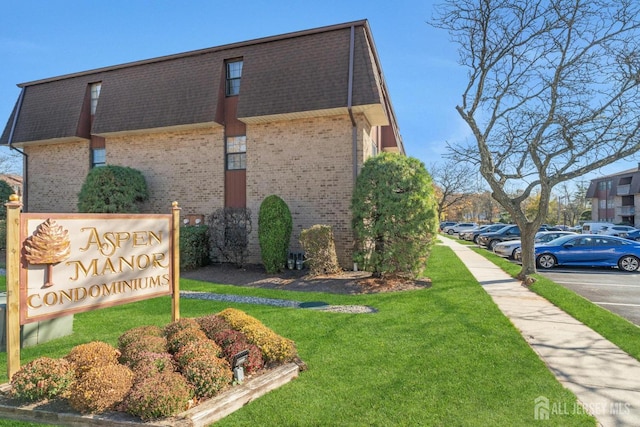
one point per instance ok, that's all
(614, 197)
(15, 181)
(294, 115)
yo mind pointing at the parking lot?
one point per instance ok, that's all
(614, 290)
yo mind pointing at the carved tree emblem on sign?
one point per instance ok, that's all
(49, 245)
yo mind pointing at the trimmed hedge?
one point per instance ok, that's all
(113, 189)
(194, 246)
(274, 232)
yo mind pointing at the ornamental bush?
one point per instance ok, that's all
(100, 388)
(275, 348)
(394, 215)
(179, 325)
(42, 378)
(158, 396)
(274, 232)
(138, 334)
(179, 339)
(113, 189)
(191, 350)
(85, 357)
(130, 354)
(212, 324)
(254, 363)
(148, 364)
(208, 374)
(320, 249)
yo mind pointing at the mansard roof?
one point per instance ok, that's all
(300, 74)
(632, 175)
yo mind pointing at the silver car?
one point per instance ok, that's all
(509, 248)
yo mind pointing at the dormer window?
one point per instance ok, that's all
(234, 72)
(95, 94)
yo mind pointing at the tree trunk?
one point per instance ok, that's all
(527, 238)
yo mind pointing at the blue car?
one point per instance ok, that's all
(590, 250)
(633, 235)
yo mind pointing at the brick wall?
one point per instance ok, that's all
(185, 166)
(307, 162)
(56, 174)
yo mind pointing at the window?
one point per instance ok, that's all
(236, 152)
(98, 157)
(234, 72)
(95, 94)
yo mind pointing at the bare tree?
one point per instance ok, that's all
(10, 162)
(456, 181)
(552, 93)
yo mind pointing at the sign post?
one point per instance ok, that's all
(175, 247)
(66, 263)
(13, 285)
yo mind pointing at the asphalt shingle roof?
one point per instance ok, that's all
(298, 72)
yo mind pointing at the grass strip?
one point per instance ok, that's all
(439, 356)
(613, 327)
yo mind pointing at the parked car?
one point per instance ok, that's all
(472, 235)
(460, 227)
(616, 230)
(592, 250)
(594, 227)
(509, 248)
(489, 240)
(633, 235)
(444, 224)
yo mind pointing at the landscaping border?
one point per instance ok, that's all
(201, 415)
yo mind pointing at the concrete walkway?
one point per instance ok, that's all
(605, 379)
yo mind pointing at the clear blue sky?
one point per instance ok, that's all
(48, 38)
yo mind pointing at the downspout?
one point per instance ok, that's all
(354, 128)
(24, 155)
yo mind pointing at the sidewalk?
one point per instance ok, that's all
(605, 379)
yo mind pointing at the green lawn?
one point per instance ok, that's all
(613, 327)
(444, 356)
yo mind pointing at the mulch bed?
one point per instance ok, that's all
(346, 282)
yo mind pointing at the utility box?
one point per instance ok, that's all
(34, 333)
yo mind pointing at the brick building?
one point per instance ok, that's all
(614, 197)
(294, 115)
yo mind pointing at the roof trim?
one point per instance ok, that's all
(176, 128)
(62, 140)
(257, 41)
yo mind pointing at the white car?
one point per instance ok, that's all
(509, 248)
(616, 230)
(460, 227)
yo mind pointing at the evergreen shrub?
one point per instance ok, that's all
(394, 215)
(5, 192)
(113, 189)
(274, 232)
(194, 246)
